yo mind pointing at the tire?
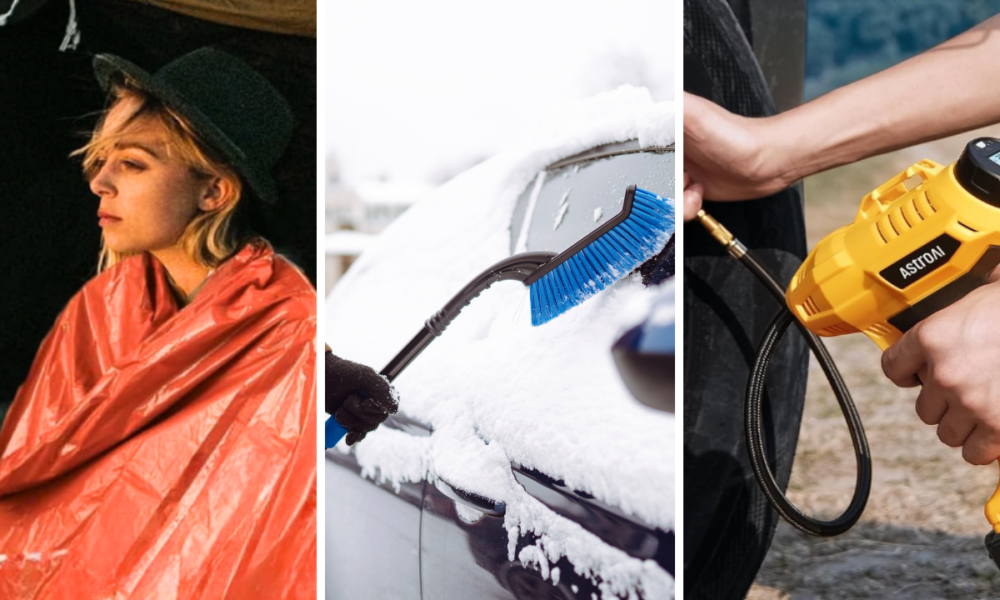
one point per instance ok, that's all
(728, 523)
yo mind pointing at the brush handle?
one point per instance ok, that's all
(333, 432)
(514, 268)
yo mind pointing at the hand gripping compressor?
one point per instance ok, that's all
(919, 242)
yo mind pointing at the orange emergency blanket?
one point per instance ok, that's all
(160, 452)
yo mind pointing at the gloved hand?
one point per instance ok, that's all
(357, 396)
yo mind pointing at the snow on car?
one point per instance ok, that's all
(495, 410)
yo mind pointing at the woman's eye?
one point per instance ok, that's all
(132, 165)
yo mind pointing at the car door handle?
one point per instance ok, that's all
(484, 505)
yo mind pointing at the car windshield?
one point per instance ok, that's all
(570, 199)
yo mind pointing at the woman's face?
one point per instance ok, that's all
(148, 196)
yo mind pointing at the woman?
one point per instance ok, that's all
(163, 445)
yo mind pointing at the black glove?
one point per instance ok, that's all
(357, 396)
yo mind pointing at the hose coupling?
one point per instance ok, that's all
(722, 235)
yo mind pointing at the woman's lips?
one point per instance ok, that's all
(104, 219)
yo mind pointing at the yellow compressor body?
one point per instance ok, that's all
(920, 242)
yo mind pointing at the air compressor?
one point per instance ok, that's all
(919, 242)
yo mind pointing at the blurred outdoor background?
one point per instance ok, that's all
(423, 99)
(921, 536)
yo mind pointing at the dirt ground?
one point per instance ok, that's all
(921, 536)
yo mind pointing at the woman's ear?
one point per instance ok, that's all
(219, 192)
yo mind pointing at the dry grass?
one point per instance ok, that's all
(922, 533)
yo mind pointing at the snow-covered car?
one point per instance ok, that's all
(518, 466)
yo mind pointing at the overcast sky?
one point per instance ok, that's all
(418, 91)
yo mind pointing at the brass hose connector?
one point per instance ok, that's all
(722, 235)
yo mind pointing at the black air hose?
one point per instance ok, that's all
(753, 415)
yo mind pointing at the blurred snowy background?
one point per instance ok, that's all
(421, 92)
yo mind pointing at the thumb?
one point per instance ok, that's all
(693, 195)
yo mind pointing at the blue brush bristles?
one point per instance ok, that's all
(605, 260)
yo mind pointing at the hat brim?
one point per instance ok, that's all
(108, 66)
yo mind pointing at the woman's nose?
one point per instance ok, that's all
(101, 183)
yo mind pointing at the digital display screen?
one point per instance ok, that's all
(996, 158)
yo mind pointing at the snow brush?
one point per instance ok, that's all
(557, 282)
(606, 255)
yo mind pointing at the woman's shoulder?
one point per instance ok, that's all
(298, 300)
(285, 268)
(285, 279)
(299, 288)
(259, 255)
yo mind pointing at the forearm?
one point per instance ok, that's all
(949, 89)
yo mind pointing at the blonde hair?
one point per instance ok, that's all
(211, 236)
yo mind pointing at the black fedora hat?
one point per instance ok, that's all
(234, 109)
